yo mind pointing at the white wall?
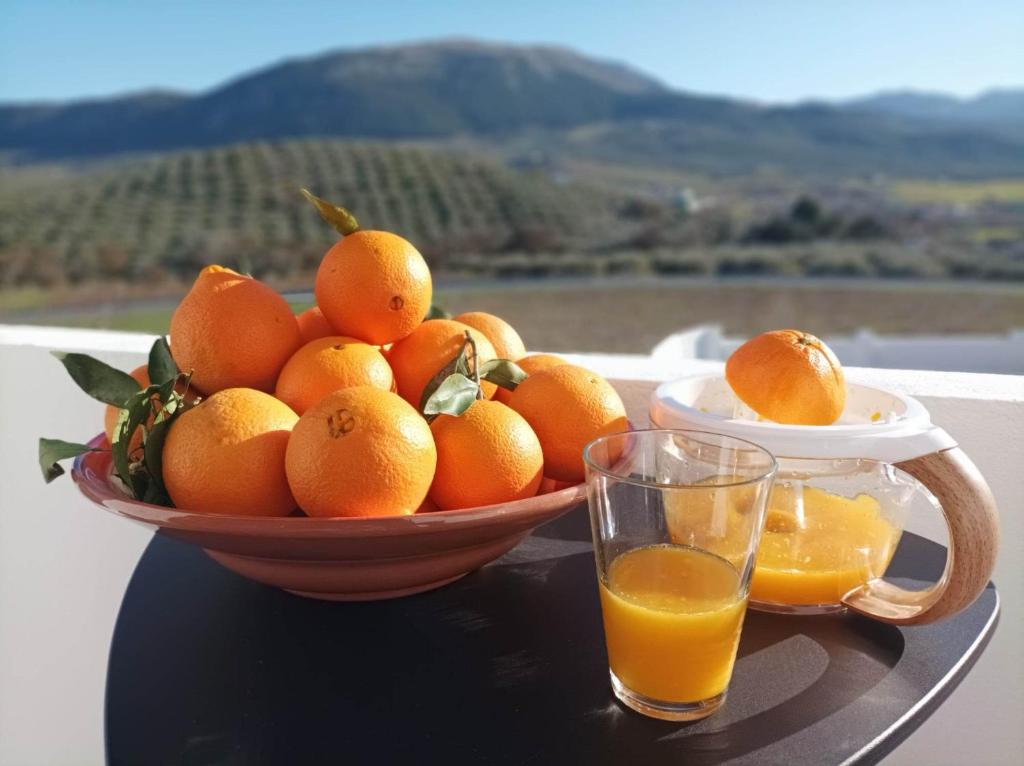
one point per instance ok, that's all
(64, 567)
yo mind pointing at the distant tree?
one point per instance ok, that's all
(534, 239)
(625, 263)
(865, 227)
(112, 260)
(640, 209)
(837, 263)
(649, 237)
(680, 263)
(776, 231)
(828, 227)
(747, 264)
(45, 268)
(806, 211)
(806, 221)
(715, 226)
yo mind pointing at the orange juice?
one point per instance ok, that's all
(672, 618)
(817, 550)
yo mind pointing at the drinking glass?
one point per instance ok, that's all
(676, 518)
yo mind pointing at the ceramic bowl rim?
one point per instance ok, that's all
(90, 474)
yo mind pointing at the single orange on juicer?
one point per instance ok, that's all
(788, 376)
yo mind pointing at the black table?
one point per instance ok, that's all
(506, 666)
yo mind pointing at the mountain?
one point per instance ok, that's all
(513, 101)
(999, 108)
(424, 90)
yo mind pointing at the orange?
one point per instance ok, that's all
(417, 358)
(568, 407)
(226, 455)
(361, 452)
(488, 454)
(313, 324)
(111, 414)
(232, 331)
(506, 341)
(788, 376)
(531, 364)
(373, 285)
(327, 364)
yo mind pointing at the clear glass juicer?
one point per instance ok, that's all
(841, 497)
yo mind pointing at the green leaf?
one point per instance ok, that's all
(141, 485)
(53, 450)
(154, 448)
(436, 312)
(462, 362)
(99, 380)
(503, 372)
(156, 492)
(458, 364)
(336, 216)
(167, 391)
(454, 396)
(135, 412)
(161, 364)
(145, 472)
(156, 495)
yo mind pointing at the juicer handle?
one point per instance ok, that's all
(970, 513)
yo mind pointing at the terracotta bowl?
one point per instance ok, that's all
(342, 559)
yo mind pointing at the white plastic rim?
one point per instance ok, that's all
(875, 425)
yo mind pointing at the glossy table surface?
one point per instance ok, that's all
(506, 666)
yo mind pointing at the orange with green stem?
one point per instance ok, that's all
(371, 285)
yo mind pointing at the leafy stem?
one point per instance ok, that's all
(145, 417)
(456, 386)
(52, 451)
(341, 219)
(476, 365)
(98, 379)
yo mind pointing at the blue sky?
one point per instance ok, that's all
(772, 50)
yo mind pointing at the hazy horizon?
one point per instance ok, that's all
(160, 88)
(62, 51)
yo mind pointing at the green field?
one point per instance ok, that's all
(960, 192)
(154, 220)
(633, 315)
(149, 224)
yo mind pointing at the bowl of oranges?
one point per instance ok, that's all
(367, 448)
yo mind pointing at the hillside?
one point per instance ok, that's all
(999, 109)
(504, 97)
(162, 218)
(150, 224)
(807, 141)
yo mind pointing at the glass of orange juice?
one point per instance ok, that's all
(673, 596)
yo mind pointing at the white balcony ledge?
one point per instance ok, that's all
(54, 640)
